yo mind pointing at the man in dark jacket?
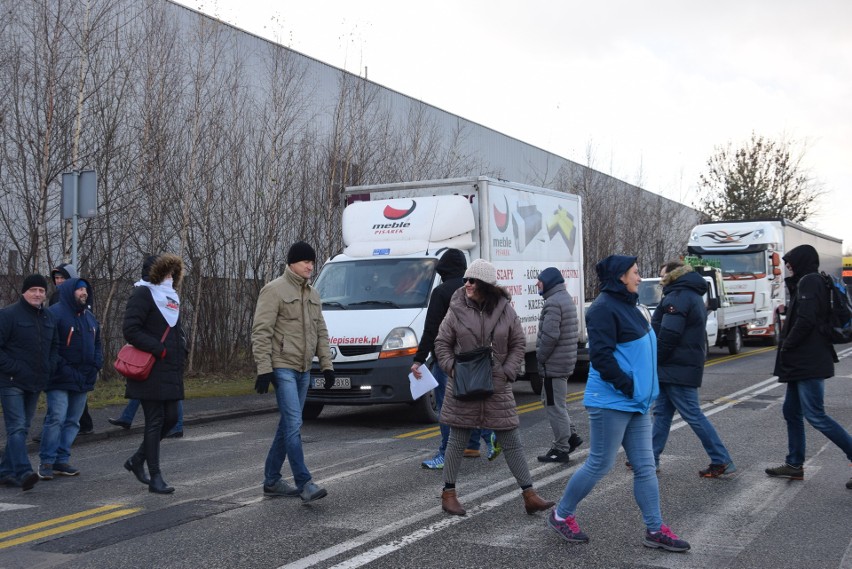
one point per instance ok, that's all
(80, 358)
(805, 358)
(28, 355)
(451, 268)
(680, 324)
(556, 352)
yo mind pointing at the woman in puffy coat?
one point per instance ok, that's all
(621, 387)
(154, 308)
(480, 314)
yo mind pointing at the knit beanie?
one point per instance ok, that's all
(482, 270)
(550, 277)
(300, 251)
(147, 264)
(35, 280)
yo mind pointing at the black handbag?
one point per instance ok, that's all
(473, 375)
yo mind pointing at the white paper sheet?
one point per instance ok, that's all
(425, 384)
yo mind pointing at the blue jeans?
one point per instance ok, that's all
(684, 400)
(804, 399)
(133, 405)
(608, 430)
(18, 409)
(291, 389)
(61, 425)
(473, 443)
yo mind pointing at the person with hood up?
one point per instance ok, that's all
(80, 358)
(621, 387)
(556, 353)
(152, 324)
(680, 324)
(28, 355)
(451, 268)
(804, 360)
(481, 314)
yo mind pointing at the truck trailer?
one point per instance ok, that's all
(749, 253)
(375, 292)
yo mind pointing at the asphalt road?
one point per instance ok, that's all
(383, 510)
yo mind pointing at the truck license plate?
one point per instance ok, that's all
(339, 383)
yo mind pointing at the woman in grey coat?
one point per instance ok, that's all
(480, 314)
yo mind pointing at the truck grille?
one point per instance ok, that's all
(350, 351)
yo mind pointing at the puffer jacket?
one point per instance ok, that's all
(680, 324)
(80, 351)
(289, 328)
(466, 328)
(804, 352)
(558, 333)
(622, 345)
(143, 328)
(28, 346)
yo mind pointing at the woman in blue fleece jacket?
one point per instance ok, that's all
(621, 388)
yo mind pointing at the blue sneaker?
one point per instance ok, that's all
(492, 447)
(567, 528)
(664, 539)
(435, 463)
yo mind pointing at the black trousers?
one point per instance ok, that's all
(160, 417)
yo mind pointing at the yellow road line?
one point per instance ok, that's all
(88, 521)
(739, 356)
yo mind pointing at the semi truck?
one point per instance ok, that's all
(376, 291)
(749, 254)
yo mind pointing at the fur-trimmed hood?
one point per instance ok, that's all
(165, 265)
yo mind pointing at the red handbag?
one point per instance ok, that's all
(135, 364)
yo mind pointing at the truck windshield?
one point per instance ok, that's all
(650, 293)
(748, 265)
(376, 284)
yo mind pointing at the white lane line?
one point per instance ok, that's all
(210, 437)
(7, 507)
(431, 529)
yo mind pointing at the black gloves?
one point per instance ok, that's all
(625, 385)
(328, 374)
(263, 381)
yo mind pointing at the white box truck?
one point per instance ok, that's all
(749, 253)
(375, 292)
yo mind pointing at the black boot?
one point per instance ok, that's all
(136, 465)
(158, 485)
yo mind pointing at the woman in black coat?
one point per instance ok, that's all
(153, 311)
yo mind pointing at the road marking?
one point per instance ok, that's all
(7, 507)
(78, 520)
(211, 436)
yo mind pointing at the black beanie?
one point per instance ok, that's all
(35, 280)
(300, 251)
(147, 264)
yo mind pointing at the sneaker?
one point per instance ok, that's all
(83, 433)
(175, 435)
(717, 470)
(567, 529)
(45, 471)
(280, 488)
(28, 480)
(664, 539)
(311, 492)
(573, 442)
(492, 447)
(434, 463)
(65, 469)
(119, 423)
(554, 455)
(472, 453)
(787, 471)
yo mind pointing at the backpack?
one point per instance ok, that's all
(839, 319)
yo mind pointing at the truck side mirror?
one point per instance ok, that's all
(713, 303)
(776, 271)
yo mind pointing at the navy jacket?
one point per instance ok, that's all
(622, 345)
(680, 324)
(80, 353)
(28, 346)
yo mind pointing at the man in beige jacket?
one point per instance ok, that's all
(288, 331)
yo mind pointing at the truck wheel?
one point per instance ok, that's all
(735, 340)
(706, 347)
(312, 410)
(426, 408)
(535, 382)
(581, 372)
(531, 373)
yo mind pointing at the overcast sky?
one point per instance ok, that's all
(652, 87)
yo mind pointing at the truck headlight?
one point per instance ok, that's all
(400, 342)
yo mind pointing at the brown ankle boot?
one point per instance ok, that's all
(450, 504)
(534, 503)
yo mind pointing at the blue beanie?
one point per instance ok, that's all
(550, 277)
